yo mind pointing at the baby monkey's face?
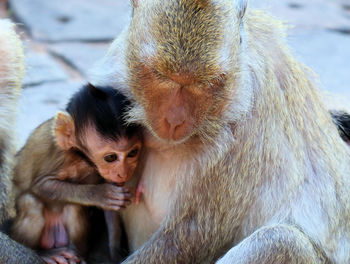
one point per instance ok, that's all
(116, 161)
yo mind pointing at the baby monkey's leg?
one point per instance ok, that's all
(30, 221)
(113, 222)
(64, 235)
(54, 234)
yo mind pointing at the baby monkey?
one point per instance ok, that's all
(81, 157)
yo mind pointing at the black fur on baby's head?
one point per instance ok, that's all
(104, 109)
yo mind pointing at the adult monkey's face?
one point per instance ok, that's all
(178, 65)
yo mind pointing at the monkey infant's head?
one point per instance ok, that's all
(94, 125)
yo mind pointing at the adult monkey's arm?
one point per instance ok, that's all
(12, 252)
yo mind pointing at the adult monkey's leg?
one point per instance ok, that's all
(274, 244)
(12, 252)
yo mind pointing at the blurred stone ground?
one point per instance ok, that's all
(64, 38)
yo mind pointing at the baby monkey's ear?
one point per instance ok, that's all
(64, 131)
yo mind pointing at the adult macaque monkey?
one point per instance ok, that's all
(60, 168)
(241, 152)
(11, 72)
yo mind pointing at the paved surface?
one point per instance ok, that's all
(63, 39)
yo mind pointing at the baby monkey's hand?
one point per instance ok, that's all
(109, 196)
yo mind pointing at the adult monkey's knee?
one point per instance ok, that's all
(272, 245)
(11, 73)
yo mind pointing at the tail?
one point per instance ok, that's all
(11, 73)
(342, 121)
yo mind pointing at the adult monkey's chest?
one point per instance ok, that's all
(156, 177)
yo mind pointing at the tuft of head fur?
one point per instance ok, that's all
(102, 108)
(173, 43)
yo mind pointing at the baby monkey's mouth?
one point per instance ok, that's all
(119, 184)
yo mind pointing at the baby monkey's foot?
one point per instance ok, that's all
(61, 256)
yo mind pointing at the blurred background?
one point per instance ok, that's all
(64, 38)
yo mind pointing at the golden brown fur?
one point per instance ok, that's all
(41, 158)
(257, 167)
(55, 177)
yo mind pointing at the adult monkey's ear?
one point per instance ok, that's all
(64, 130)
(241, 8)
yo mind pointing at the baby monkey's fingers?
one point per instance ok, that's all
(120, 203)
(115, 205)
(119, 195)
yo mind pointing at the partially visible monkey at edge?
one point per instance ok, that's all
(11, 73)
(60, 168)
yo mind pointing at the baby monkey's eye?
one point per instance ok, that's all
(111, 157)
(133, 153)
